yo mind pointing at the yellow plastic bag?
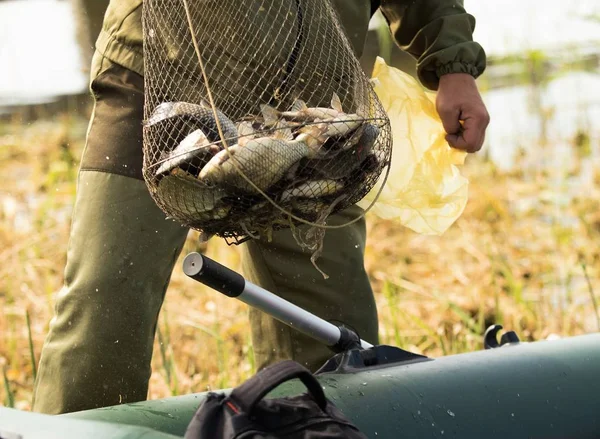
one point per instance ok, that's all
(424, 190)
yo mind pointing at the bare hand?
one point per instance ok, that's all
(458, 100)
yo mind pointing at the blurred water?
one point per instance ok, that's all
(39, 57)
(570, 104)
(40, 60)
(511, 26)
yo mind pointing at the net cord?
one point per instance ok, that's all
(239, 170)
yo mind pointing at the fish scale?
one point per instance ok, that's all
(313, 189)
(192, 197)
(202, 114)
(194, 147)
(279, 154)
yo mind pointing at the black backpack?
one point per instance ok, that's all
(245, 414)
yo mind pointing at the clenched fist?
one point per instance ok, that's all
(462, 111)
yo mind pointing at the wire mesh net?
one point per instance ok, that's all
(257, 115)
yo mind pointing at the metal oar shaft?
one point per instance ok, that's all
(233, 284)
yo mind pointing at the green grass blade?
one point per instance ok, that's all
(592, 294)
(10, 396)
(31, 349)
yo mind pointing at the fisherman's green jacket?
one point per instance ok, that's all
(438, 33)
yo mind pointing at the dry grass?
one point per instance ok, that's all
(522, 255)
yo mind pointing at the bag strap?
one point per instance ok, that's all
(248, 394)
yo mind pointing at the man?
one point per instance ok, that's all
(122, 250)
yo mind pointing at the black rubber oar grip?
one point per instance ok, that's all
(213, 274)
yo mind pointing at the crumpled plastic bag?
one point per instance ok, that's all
(424, 190)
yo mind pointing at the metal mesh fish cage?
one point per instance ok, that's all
(257, 115)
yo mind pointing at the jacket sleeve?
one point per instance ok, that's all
(438, 34)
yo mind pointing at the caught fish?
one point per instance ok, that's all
(264, 161)
(193, 148)
(202, 114)
(343, 165)
(333, 161)
(332, 146)
(342, 126)
(338, 126)
(344, 162)
(363, 138)
(357, 178)
(191, 197)
(365, 134)
(302, 113)
(313, 189)
(307, 206)
(338, 155)
(367, 139)
(214, 164)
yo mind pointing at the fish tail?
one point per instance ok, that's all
(270, 114)
(336, 103)
(161, 112)
(298, 105)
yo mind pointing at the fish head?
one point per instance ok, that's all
(367, 139)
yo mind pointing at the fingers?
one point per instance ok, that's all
(458, 100)
(450, 116)
(472, 135)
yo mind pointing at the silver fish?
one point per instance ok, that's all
(346, 142)
(363, 137)
(340, 126)
(346, 161)
(302, 113)
(367, 139)
(338, 160)
(202, 114)
(313, 189)
(264, 161)
(191, 197)
(214, 164)
(195, 146)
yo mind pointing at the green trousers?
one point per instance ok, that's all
(121, 254)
